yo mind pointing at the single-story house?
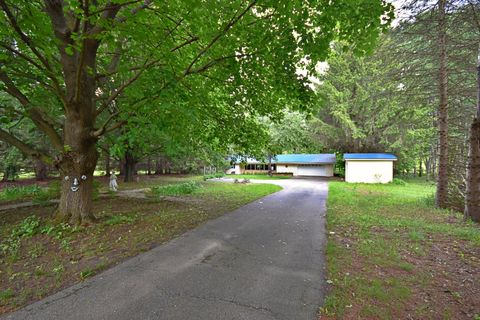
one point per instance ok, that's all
(369, 167)
(320, 165)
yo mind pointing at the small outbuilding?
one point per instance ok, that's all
(369, 167)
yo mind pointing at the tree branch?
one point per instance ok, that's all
(23, 56)
(13, 22)
(218, 36)
(191, 40)
(216, 61)
(117, 92)
(49, 70)
(104, 129)
(40, 119)
(23, 147)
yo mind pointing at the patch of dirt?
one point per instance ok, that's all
(366, 192)
(444, 280)
(452, 268)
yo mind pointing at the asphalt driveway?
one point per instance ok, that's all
(262, 261)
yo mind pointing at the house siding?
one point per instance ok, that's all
(368, 171)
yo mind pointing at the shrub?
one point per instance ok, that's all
(176, 189)
(399, 182)
(213, 176)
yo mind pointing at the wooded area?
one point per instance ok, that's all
(177, 87)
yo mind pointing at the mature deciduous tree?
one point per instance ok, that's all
(69, 63)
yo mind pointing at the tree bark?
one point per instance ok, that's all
(107, 164)
(442, 179)
(159, 166)
(41, 170)
(472, 195)
(129, 170)
(168, 168)
(270, 169)
(149, 165)
(121, 164)
(76, 166)
(420, 168)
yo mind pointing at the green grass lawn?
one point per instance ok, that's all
(392, 255)
(258, 176)
(38, 257)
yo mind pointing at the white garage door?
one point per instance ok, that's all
(318, 170)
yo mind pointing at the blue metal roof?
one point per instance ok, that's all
(319, 158)
(369, 156)
(306, 158)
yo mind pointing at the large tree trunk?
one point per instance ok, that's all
(159, 166)
(472, 196)
(129, 170)
(107, 164)
(168, 168)
(76, 166)
(442, 180)
(149, 165)
(79, 157)
(121, 164)
(41, 170)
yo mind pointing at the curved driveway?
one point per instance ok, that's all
(262, 261)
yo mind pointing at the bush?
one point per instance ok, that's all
(213, 176)
(399, 182)
(176, 189)
(208, 176)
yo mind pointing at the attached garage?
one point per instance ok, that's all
(320, 170)
(313, 165)
(369, 167)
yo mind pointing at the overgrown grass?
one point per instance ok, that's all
(376, 233)
(20, 192)
(31, 192)
(158, 180)
(176, 189)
